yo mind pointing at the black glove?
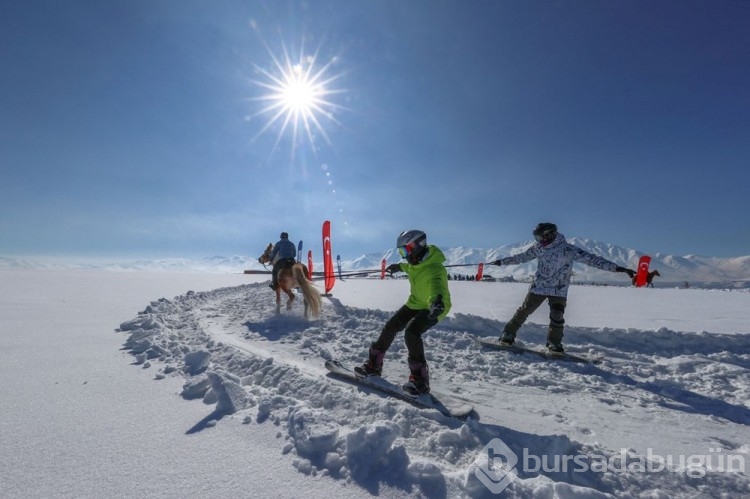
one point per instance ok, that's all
(497, 262)
(437, 308)
(631, 273)
(394, 267)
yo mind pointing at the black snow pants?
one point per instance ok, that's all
(415, 322)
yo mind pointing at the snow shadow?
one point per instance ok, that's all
(338, 307)
(577, 469)
(670, 364)
(545, 450)
(663, 342)
(207, 422)
(278, 327)
(621, 343)
(671, 396)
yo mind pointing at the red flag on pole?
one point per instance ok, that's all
(330, 277)
(640, 277)
(382, 269)
(480, 271)
(309, 265)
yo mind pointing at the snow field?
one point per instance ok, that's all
(659, 391)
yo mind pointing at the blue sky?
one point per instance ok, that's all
(133, 128)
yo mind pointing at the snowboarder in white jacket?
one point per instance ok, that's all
(551, 281)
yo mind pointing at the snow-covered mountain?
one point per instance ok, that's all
(696, 271)
(701, 271)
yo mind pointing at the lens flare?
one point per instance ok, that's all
(298, 97)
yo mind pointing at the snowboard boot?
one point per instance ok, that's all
(419, 380)
(372, 366)
(555, 348)
(507, 338)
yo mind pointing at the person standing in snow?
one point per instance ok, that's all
(283, 255)
(429, 302)
(551, 281)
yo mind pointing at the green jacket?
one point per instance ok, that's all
(428, 279)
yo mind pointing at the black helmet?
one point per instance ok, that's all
(284, 235)
(545, 232)
(412, 245)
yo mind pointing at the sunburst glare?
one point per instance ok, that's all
(299, 97)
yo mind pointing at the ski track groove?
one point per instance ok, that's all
(631, 375)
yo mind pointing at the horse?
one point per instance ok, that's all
(650, 277)
(291, 277)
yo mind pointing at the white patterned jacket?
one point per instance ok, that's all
(555, 265)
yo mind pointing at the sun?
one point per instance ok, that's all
(298, 97)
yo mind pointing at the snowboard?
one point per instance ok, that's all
(449, 406)
(541, 351)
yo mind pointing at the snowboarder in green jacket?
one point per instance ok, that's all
(429, 301)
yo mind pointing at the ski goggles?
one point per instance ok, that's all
(544, 237)
(405, 251)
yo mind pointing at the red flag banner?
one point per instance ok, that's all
(640, 277)
(382, 269)
(480, 271)
(309, 265)
(330, 277)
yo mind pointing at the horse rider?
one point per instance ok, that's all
(650, 278)
(283, 255)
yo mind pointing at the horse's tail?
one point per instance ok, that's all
(310, 293)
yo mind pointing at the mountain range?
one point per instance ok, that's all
(691, 270)
(682, 271)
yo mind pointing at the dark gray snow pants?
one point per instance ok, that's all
(556, 315)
